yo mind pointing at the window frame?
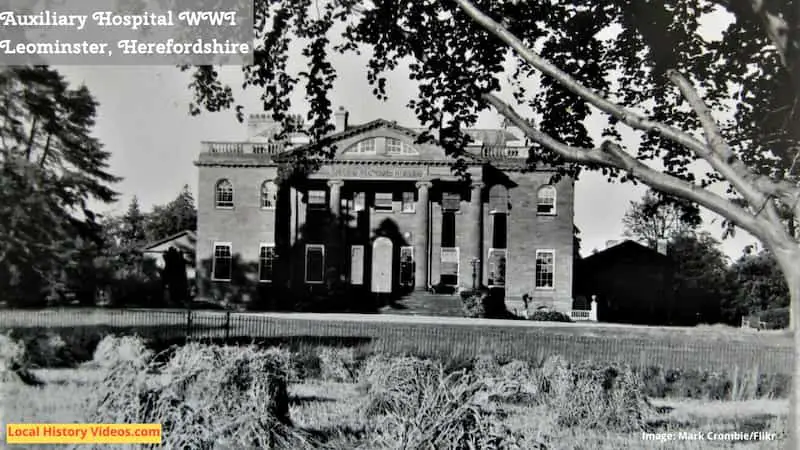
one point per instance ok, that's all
(362, 250)
(317, 206)
(377, 208)
(455, 195)
(536, 286)
(265, 193)
(217, 201)
(554, 199)
(305, 263)
(389, 147)
(360, 147)
(442, 250)
(261, 247)
(491, 260)
(412, 209)
(216, 244)
(409, 249)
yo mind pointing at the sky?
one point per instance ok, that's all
(144, 122)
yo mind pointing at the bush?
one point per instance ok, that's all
(550, 316)
(205, 396)
(64, 349)
(775, 319)
(473, 303)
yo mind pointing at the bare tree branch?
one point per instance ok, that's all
(613, 156)
(718, 153)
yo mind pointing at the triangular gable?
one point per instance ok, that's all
(379, 131)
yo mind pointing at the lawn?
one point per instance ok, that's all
(700, 348)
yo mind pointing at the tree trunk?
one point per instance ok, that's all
(788, 257)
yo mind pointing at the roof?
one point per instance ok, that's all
(189, 234)
(625, 248)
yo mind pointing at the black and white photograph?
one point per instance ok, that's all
(400, 225)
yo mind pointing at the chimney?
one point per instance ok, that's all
(340, 117)
(661, 246)
(261, 127)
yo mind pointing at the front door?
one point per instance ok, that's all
(382, 265)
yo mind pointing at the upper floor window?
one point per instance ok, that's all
(317, 199)
(224, 194)
(451, 201)
(498, 199)
(383, 201)
(409, 205)
(397, 147)
(546, 200)
(269, 194)
(365, 147)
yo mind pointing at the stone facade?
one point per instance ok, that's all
(384, 213)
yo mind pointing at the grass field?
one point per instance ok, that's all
(330, 410)
(700, 348)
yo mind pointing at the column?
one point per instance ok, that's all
(476, 231)
(335, 197)
(421, 237)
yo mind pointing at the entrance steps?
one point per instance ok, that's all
(426, 304)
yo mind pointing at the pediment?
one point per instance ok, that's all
(387, 143)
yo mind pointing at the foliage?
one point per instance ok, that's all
(473, 302)
(178, 215)
(550, 316)
(760, 284)
(50, 169)
(701, 281)
(658, 217)
(776, 319)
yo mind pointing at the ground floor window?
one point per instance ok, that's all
(266, 262)
(357, 265)
(497, 267)
(545, 269)
(449, 266)
(315, 263)
(407, 266)
(221, 265)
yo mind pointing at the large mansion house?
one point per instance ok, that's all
(385, 215)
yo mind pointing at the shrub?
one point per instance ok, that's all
(473, 303)
(67, 348)
(775, 319)
(550, 316)
(205, 396)
(412, 403)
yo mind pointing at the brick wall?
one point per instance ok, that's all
(245, 225)
(528, 232)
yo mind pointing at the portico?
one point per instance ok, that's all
(406, 203)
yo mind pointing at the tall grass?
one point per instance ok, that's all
(204, 396)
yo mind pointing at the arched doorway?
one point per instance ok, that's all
(382, 250)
